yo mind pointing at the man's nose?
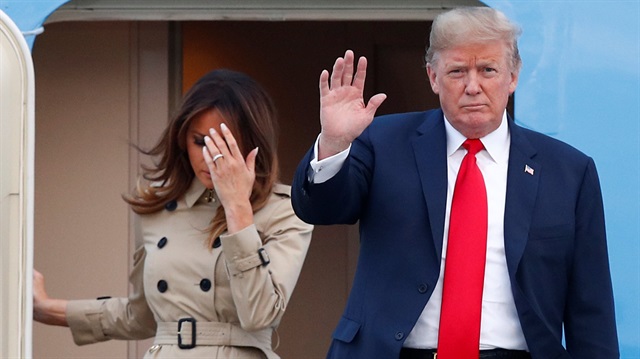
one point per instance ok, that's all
(472, 85)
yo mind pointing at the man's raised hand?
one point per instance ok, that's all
(343, 112)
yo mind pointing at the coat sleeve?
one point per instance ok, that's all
(590, 328)
(129, 318)
(264, 262)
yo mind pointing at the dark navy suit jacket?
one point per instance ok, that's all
(394, 183)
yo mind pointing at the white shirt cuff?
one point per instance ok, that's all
(324, 170)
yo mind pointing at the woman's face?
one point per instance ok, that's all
(198, 129)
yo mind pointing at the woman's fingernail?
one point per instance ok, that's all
(223, 127)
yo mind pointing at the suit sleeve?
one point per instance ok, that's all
(340, 199)
(129, 318)
(590, 329)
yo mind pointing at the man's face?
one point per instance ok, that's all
(474, 82)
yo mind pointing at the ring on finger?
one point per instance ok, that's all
(217, 157)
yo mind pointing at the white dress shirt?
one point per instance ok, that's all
(500, 326)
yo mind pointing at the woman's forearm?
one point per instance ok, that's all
(51, 311)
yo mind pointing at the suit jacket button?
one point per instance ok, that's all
(422, 288)
(399, 335)
(162, 286)
(205, 285)
(162, 242)
(171, 205)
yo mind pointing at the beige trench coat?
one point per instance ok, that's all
(236, 293)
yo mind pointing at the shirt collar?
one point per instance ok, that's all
(495, 143)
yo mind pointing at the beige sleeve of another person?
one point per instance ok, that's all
(262, 291)
(124, 318)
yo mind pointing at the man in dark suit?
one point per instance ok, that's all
(544, 265)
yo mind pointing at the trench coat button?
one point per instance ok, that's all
(217, 243)
(205, 285)
(162, 286)
(171, 205)
(162, 242)
(399, 335)
(422, 288)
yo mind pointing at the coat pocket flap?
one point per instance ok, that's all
(346, 330)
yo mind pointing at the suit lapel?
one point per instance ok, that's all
(431, 160)
(522, 186)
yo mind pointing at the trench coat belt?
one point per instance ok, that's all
(211, 333)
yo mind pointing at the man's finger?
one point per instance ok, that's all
(361, 74)
(375, 102)
(324, 83)
(336, 74)
(347, 75)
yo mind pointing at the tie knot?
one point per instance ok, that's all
(473, 146)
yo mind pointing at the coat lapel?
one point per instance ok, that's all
(522, 186)
(431, 160)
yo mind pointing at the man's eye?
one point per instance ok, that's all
(489, 69)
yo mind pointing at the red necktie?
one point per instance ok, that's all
(459, 334)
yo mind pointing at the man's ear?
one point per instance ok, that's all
(431, 73)
(514, 81)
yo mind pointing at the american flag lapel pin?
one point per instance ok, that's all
(528, 169)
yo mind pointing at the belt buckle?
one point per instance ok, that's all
(193, 333)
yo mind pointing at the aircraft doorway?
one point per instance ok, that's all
(102, 84)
